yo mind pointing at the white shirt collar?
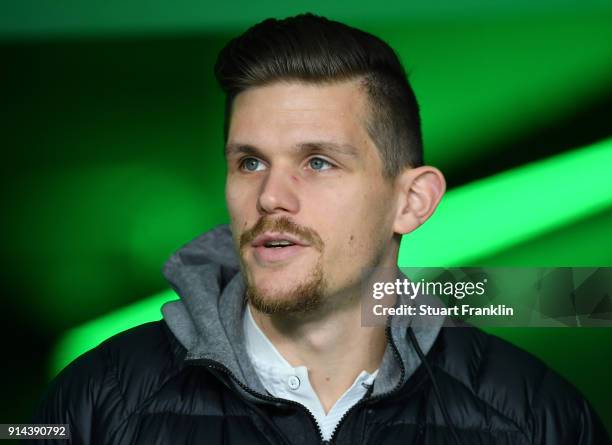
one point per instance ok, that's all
(285, 381)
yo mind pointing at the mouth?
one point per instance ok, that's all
(277, 247)
(278, 244)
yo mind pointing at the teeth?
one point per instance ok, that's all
(278, 243)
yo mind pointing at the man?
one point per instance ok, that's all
(266, 344)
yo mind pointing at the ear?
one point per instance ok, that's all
(420, 191)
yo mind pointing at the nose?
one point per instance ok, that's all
(277, 193)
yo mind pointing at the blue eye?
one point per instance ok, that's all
(317, 163)
(250, 164)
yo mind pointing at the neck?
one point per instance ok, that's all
(331, 343)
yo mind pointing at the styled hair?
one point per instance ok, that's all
(315, 49)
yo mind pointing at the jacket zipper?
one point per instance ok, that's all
(368, 399)
(212, 364)
(222, 368)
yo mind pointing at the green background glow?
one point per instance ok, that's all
(113, 135)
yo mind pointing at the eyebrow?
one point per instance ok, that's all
(323, 146)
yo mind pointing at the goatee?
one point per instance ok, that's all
(306, 297)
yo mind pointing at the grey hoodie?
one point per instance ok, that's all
(207, 319)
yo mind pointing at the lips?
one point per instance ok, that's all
(277, 247)
(277, 240)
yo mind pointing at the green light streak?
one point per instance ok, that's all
(85, 337)
(493, 214)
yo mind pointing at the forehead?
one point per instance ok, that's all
(289, 113)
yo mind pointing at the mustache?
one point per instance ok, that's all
(284, 225)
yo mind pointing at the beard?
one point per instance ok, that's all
(306, 297)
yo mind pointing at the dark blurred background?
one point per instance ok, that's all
(111, 137)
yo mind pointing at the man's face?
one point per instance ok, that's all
(302, 168)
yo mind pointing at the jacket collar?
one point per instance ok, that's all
(207, 320)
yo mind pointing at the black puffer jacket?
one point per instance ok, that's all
(136, 388)
(185, 380)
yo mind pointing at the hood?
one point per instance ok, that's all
(207, 319)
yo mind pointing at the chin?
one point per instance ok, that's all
(295, 270)
(286, 291)
(285, 302)
(277, 281)
(274, 295)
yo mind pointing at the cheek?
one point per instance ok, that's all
(236, 198)
(237, 208)
(354, 224)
